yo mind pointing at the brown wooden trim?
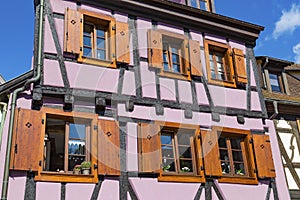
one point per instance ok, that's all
(65, 178)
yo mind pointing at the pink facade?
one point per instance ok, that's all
(100, 81)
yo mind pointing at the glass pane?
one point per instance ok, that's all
(88, 29)
(77, 131)
(210, 56)
(176, 68)
(87, 41)
(87, 52)
(168, 165)
(167, 151)
(175, 58)
(100, 33)
(185, 152)
(212, 65)
(235, 143)
(203, 5)
(222, 142)
(186, 166)
(220, 67)
(225, 167)
(166, 139)
(75, 160)
(237, 156)
(239, 169)
(194, 3)
(224, 155)
(213, 74)
(183, 137)
(100, 43)
(166, 62)
(101, 54)
(274, 82)
(219, 58)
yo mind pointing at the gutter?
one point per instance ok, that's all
(14, 101)
(2, 120)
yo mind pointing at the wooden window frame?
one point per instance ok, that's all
(225, 50)
(199, 6)
(248, 155)
(197, 175)
(279, 80)
(50, 176)
(97, 19)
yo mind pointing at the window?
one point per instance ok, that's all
(233, 156)
(177, 151)
(201, 4)
(171, 150)
(60, 140)
(174, 55)
(276, 82)
(96, 38)
(219, 64)
(66, 144)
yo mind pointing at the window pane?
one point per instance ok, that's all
(167, 151)
(203, 5)
(168, 165)
(100, 43)
(166, 139)
(222, 142)
(176, 68)
(88, 29)
(225, 167)
(235, 143)
(185, 152)
(186, 166)
(101, 54)
(100, 33)
(274, 82)
(183, 137)
(224, 155)
(87, 41)
(87, 52)
(77, 131)
(239, 169)
(194, 3)
(166, 61)
(237, 156)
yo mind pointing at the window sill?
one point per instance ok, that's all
(239, 180)
(64, 177)
(94, 61)
(231, 84)
(181, 178)
(175, 75)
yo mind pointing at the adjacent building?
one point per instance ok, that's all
(280, 84)
(162, 98)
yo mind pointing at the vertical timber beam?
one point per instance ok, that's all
(123, 178)
(30, 187)
(97, 189)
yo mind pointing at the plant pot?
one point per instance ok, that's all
(86, 171)
(76, 172)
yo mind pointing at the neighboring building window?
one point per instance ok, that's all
(219, 63)
(233, 156)
(177, 151)
(66, 144)
(276, 82)
(201, 4)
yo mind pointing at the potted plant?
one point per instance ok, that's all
(85, 167)
(77, 169)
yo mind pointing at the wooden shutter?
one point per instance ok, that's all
(211, 154)
(240, 67)
(72, 31)
(27, 143)
(195, 58)
(122, 37)
(155, 54)
(149, 148)
(228, 64)
(199, 155)
(263, 156)
(108, 147)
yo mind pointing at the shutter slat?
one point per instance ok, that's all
(211, 154)
(122, 37)
(263, 156)
(195, 58)
(155, 54)
(72, 31)
(240, 67)
(27, 144)
(108, 148)
(149, 148)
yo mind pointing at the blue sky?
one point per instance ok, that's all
(280, 39)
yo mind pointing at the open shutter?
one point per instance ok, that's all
(263, 156)
(108, 148)
(211, 154)
(199, 154)
(240, 67)
(149, 148)
(195, 58)
(27, 144)
(228, 64)
(122, 37)
(155, 54)
(72, 31)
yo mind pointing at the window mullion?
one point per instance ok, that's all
(230, 156)
(67, 133)
(176, 153)
(94, 42)
(170, 55)
(245, 161)
(215, 65)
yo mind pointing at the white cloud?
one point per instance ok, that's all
(296, 50)
(288, 22)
